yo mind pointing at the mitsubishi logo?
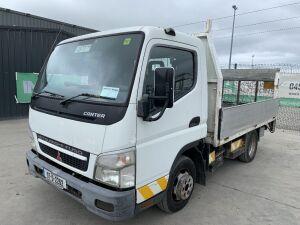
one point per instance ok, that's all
(58, 157)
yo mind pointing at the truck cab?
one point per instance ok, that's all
(119, 119)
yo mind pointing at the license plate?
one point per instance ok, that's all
(54, 179)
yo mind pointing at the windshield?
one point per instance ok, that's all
(101, 67)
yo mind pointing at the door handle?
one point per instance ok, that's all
(195, 121)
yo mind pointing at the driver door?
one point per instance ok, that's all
(159, 142)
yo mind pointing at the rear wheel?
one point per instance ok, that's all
(251, 147)
(180, 186)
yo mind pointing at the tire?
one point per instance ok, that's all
(251, 147)
(183, 177)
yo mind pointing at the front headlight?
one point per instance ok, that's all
(30, 133)
(116, 170)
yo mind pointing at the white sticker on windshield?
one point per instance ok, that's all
(109, 92)
(83, 48)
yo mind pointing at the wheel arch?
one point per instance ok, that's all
(194, 151)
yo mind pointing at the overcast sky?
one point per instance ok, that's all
(273, 47)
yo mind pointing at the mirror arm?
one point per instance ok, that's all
(150, 119)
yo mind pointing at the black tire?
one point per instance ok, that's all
(182, 167)
(251, 147)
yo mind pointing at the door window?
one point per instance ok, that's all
(183, 63)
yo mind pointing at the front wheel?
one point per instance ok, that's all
(180, 186)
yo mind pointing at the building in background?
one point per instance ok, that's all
(25, 42)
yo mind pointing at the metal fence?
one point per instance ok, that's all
(284, 67)
(288, 118)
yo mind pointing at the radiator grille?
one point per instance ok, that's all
(65, 158)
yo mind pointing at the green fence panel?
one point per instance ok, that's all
(287, 102)
(25, 83)
(290, 102)
(230, 96)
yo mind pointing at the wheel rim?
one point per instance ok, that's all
(252, 147)
(183, 187)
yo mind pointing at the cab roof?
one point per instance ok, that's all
(149, 31)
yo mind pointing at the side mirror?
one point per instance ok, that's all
(162, 98)
(163, 87)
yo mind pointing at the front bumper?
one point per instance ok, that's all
(120, 205)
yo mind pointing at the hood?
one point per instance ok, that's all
(93, 138)
(84, 136)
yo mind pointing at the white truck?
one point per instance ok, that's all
(126, 119)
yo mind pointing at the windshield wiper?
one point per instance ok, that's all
(63, 102)
(34, 95)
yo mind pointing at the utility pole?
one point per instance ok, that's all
(252, 64)
(232, 33)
